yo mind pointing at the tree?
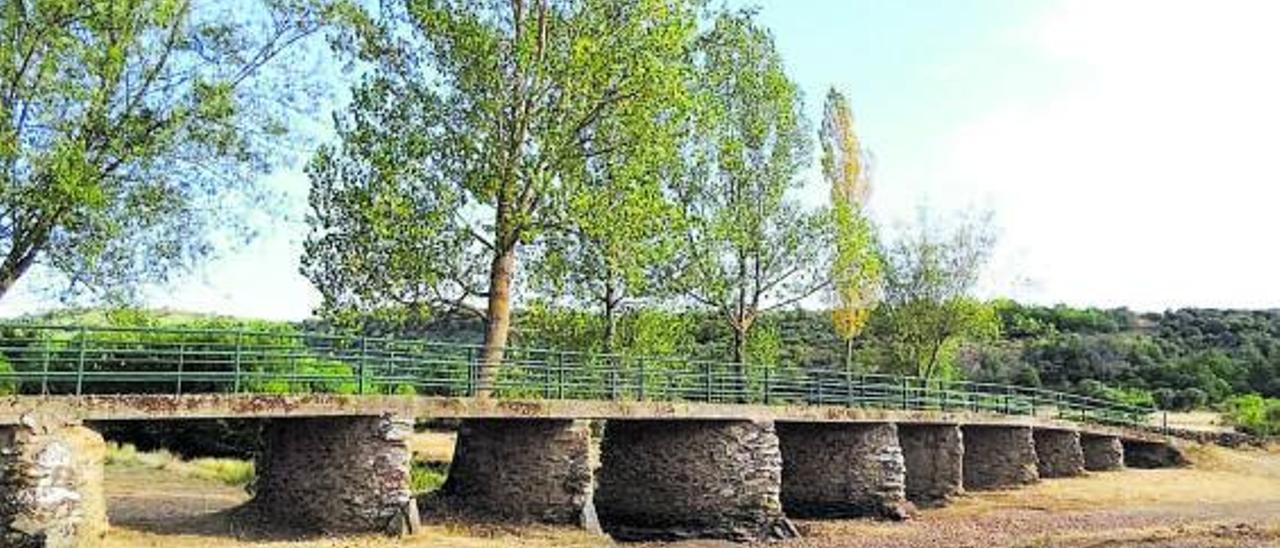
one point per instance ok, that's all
(856, 269)
(621, 225)
(473, 130)
(129, 129)
(929, 275)
(749, 248)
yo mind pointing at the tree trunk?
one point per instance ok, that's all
(848, 354)
(738, 384)
(499, 325)
(610, 317)
(13, 269)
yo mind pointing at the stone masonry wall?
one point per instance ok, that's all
(1143, 454)
(336, 475)
(842, 470)
(523, 470)
(51, 489)
(691, 479)
(999, 456)
(1102, 453)
(1059, 453)
(934, 457)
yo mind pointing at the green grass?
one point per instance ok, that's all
(229, 471)
(425, 477)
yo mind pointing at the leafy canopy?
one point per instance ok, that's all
(131, 130)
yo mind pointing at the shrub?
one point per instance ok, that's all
(8, 384)
(1254, 414)
(425, 477)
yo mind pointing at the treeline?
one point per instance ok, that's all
(1178, 359)
(1175, 360)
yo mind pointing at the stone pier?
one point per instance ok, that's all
(842, 470)
(1058, 453)
(1102, 453)
(335, 475)
(934, 457)
(1143, 454)
(999, 456)
(51, 486)
(523, 470)
(677, 479)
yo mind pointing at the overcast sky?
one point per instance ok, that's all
(1127, 148)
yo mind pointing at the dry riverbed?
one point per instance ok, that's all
(1229, 498)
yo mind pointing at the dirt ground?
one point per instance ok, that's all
(1228, 498)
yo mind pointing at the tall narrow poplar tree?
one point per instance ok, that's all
(856, 270)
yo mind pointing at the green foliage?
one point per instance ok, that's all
(1254, 414)
(8, 385)
(273, 349)
(749, 247)
(425, 477)
(927, 311)
(133, 133)
(856, 271)
(482, 128)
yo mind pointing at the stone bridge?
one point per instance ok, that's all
(340, 464)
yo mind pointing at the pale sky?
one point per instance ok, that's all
(1126, 147)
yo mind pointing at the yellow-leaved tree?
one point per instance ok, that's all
(857, 272)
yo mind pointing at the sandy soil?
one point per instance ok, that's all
(1229, 498)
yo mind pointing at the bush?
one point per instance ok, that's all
(8, 384)
(425, 477)
(1254, 414)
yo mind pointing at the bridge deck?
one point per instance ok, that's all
(251, 406)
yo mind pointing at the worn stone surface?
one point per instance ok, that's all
(691, 479)
(1058, 453)
(842, 470)
(523, 470)
(1102, 453)
(335, 475)
(934, 458)
(51, 489)
(1141, 454)
(999, 456)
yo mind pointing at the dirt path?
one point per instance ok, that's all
(1230, 498)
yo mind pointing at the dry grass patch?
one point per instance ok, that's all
(432, 446)
(432, 536)
(229, 471)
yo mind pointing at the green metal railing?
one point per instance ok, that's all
(79, 360)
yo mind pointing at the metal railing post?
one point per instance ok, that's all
(44, 368)
(239, 348)
(80, 364)
(767, 386)
(905, 391)
(848, 388)
(360, 371)
(706, 367)
(819, 389)
(560, 376)
(471, 372)
(640, 380)
(182, 350)
(613, 379)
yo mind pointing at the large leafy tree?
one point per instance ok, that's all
(128, 128)
(928, 307)
(856, 269)
(750, 247)
(474, 131)
(620, 224)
